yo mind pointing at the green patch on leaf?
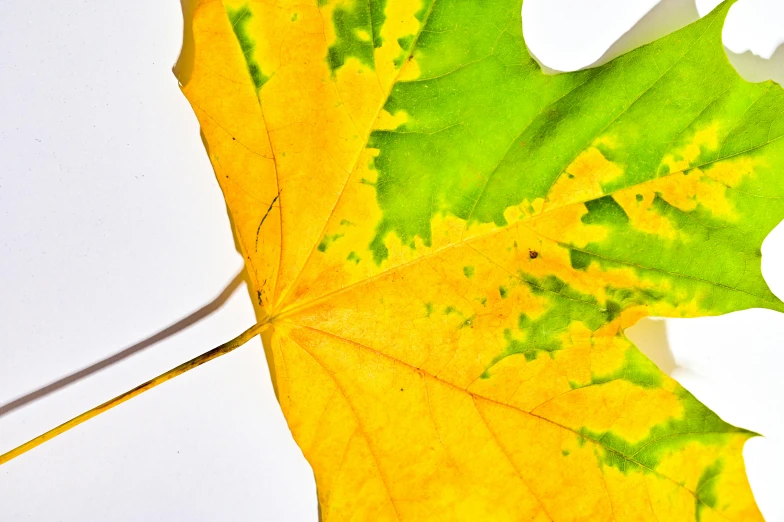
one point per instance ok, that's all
(698, 424)
(327, 241)
(705, 494)
(354, 35)
(579, 259)
(239, 19)
(604, 211)
(378, 17)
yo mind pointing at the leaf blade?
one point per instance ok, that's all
(453, 219)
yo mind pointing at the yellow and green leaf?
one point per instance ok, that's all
(448, 244)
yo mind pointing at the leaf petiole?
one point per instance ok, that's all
(223, 349)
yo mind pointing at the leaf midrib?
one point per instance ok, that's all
(297, 307)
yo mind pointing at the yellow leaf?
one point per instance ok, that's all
(447, 245)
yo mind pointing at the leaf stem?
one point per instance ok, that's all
(223, 349)
(115, 358)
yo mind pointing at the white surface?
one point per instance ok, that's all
(755, 25)
(112, 227)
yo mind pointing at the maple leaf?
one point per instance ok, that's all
(447, 245)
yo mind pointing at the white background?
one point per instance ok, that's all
(112, 228)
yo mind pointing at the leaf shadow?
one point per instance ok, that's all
(664, 18)
(650, 336)
(167, 332)
(756, 69)
(184, 67)
(667, 17)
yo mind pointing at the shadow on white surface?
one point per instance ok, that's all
(72, 378)
(161, 456)
(650, 336)
(755, 68)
